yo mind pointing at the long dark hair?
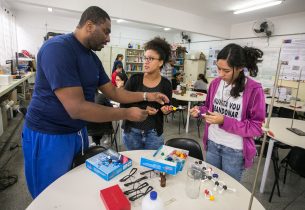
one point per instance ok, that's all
(119, 56)
(123, 77)
(202, 77)
(239, 57)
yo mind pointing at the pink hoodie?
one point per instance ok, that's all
(252, 117)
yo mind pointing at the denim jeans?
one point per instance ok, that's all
(138, 139)
(225, 158)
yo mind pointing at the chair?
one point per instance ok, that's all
(293, 162)
(181, 106)
(98, 130)
(286, 113)
(188, 144)
(90, 152)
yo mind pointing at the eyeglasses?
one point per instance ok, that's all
(136, 181)
(139, 195)
(131, 173)
(140, 187)
(150, 59)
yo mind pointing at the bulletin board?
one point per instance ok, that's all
(292, 60)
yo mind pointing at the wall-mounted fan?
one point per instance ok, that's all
(185, 37)
(263, 28)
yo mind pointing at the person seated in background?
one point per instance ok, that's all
(117, 61)
(178, 78)
(98, 129)
(120, 80)
(201, 85)
(119, 69)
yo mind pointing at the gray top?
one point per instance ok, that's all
(200, 85)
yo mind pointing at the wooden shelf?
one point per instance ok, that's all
(134, 62)
(133, 71)
(135, 49)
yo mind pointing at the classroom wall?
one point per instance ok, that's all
(31, 28)
(143, 11)
(285, 26)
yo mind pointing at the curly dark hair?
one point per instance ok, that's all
(161, 46)
(241, 57)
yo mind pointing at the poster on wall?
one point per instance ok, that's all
(292, 60)
(211, 64)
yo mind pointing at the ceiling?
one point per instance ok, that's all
(21, 6)
(222, 10)
(217, 10)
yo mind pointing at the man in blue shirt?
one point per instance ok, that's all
(68, 73)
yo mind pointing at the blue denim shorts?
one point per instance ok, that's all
(137, 139)
(225, 158)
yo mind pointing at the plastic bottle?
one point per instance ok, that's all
(152, 202)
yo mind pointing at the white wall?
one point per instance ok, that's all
(32, 27)
(143, 11)
(288, 24)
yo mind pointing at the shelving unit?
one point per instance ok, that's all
(179, 56)
(134, 60)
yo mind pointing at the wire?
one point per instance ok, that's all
(7, 180)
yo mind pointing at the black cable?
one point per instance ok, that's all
(7, 180)
(3, 166)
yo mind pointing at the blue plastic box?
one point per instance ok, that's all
(108, 164)
(165, 159)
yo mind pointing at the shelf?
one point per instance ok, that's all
(133, 71)
(135, 49)
(25, 59)
(135, 62)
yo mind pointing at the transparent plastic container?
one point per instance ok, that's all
(152, 202)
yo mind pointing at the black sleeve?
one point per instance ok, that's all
(168, 90)
(132, 85)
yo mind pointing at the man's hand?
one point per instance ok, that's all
(151, 110)
(195, 111)
(136, 114)
(158, 97)
(214, 118)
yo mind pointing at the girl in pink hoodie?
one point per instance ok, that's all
(234, 111)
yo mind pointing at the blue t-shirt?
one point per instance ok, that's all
(62, 62)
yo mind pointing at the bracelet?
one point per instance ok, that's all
(144, 96)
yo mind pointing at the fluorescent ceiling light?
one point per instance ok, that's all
(50, 9)
(120, 20)
(166, 29)
(260, 6)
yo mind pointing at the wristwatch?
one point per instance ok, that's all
(145, 96)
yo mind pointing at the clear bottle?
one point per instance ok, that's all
(152, 202)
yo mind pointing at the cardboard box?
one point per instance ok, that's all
(114, 198)
(5, 79)
(108, 164)
(166, 159)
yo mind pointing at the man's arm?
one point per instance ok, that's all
(123, 96)
(77, 107)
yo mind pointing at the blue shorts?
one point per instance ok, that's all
(137, 139)
(47, 157)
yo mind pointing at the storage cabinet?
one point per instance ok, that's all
(192, 68)
(134, 60)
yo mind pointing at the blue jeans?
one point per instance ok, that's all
(225, 158)
(138, 139)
